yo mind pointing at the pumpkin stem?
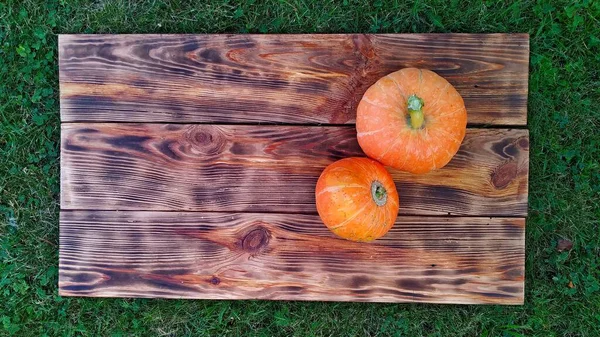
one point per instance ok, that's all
(378, 193)
(415, 109)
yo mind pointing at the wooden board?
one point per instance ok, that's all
(272, 169)
(188, 167)
(296, 79)
(293, 257)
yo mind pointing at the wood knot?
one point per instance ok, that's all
(504, 174)
(203, 138)
(256, 240)
(508, 148)
(206, 139)
(214, 280)
(523, 143)
(364, 46)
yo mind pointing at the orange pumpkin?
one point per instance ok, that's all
(357, 199)
(413, 120)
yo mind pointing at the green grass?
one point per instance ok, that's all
(564, 121)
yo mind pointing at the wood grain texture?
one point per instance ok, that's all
(272, 169)
(185, 206)
(289, 257)
(301, 79)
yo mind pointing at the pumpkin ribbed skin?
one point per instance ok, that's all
(357, 199)
(384, 128)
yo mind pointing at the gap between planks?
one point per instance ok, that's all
(469, 126)
(483, 216)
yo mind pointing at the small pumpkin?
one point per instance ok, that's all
(412, 120)
(357, 199)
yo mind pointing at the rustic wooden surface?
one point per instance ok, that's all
(298, 79)
(292, 257)
(272, 169)
(165, 194)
